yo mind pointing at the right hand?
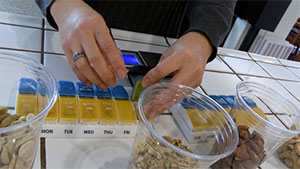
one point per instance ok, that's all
(83, 29)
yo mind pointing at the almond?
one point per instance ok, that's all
(254, 146)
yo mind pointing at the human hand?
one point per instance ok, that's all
(186, 58)
(83, 29)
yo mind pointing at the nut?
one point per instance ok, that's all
(3, 116)
(151, 153)
(5, 156)
(297, 148)
(249, 154)
(26, 151)
(3, 110)
(8, 120)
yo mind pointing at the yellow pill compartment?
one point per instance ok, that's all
(27, 97)
(67, 102)
(124, 106)
(106, 105)
(87, 104)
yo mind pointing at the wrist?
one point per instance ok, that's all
(60, 9)
(206, 47)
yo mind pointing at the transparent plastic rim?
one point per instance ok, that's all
(269, 90)
(178, 150)
(45, 71)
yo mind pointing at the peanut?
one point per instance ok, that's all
(3, 110)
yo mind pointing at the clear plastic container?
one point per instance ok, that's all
(19, 140)
(264, 118)
(169, 138)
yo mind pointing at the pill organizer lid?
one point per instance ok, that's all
(119, 92)
(66, 88)
(83, 90)
(220, 100)
(137, 88)
(27, 86)
(228, 99)
(100, 93)
(42, 88)
(249, 101)
(190, 104)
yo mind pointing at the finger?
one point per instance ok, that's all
(111, 53)
(162, 69)
(80, 76)
(84, 67)
(98, 62)
(185, 77)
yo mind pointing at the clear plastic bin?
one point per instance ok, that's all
(19, 140)
(169, 138)
(264, 118)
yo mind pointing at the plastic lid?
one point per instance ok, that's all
(249, 101)
(42, 88)
(66, 88)
(28, 86)
(100, 93)
(119, 92)
(137, 89)
(228, 99)
(220, 100)
(83, 90)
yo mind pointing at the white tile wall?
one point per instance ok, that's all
(33, 55)
(21, 20)
(296, 71)
(273, 84)
(233, 53)
(278, 72)
(91, 153)
(290, 63)
(266, 59)
(138, 37)
(171, 41)
(17, 37)
(48, 26)
(242, 66)
(52, 42)
(218, 65)
(133, 46)
(219, 83)
(60, 67)
(293, 87)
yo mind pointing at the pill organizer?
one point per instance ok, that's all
(194, 130)
(80, 111)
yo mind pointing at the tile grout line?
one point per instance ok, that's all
(43, 140)
(43, 42)
(23, 26)
(21, 50)
(167, 41)
(43, 152)
(229, 67)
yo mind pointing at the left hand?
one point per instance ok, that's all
(186, 58)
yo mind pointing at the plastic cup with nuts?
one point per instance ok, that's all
(264, 118)
(181, 128)
(27, 95)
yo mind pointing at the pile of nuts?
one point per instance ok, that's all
(248, 154)
(151, 153)
(17, 148)
(289, 152)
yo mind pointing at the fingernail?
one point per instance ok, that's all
(120, 73)
(146, 82)
(112, 83)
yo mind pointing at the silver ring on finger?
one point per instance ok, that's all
(77, 55)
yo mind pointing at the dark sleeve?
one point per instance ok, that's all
(210, 17)
(45, 8)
